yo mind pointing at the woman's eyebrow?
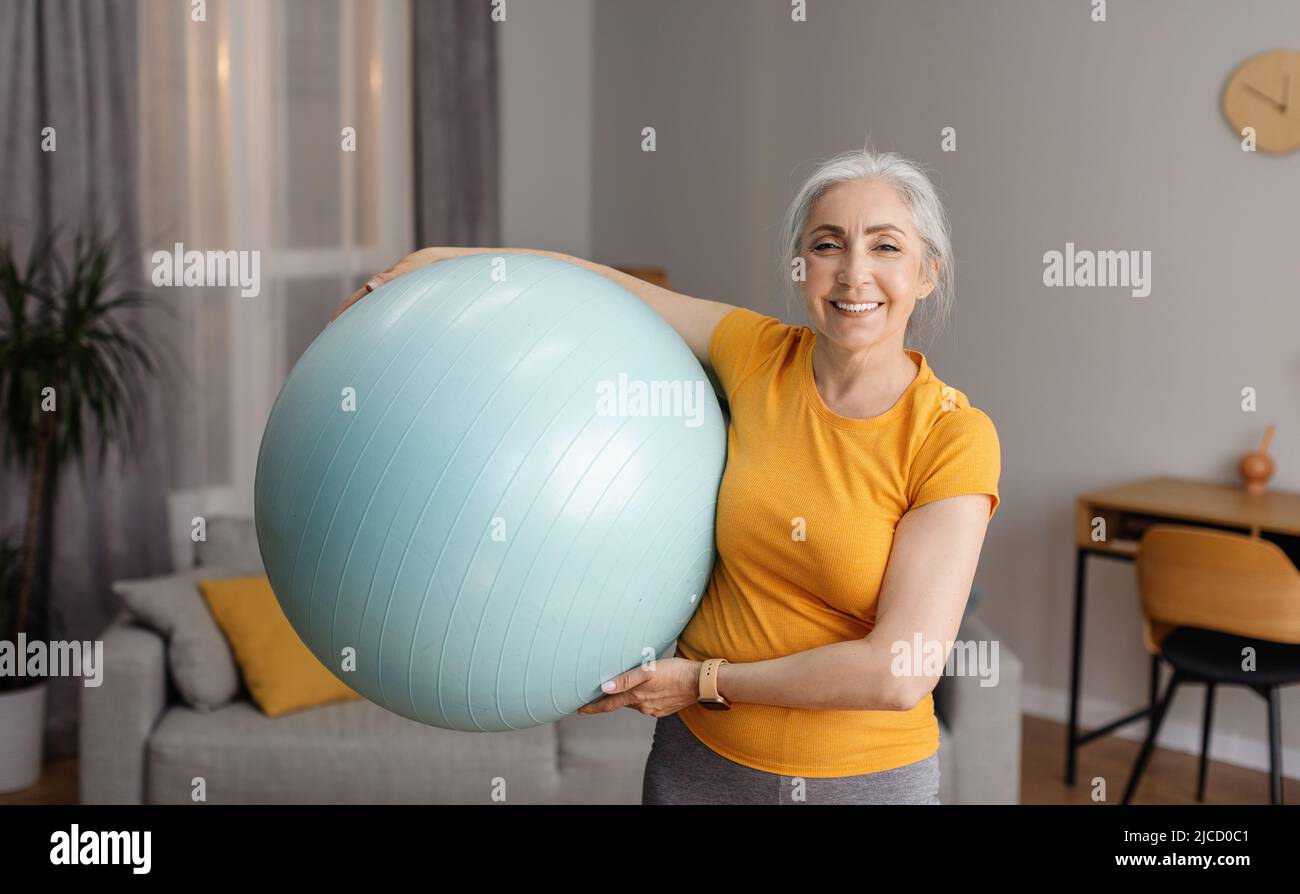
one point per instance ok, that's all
(839, 231)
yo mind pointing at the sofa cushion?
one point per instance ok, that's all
(344, 753)
(281, 673)
(199, 659)
(230, 542)
(359, 753)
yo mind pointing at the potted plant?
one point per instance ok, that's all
(71, 374)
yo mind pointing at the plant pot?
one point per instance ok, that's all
(22, 736)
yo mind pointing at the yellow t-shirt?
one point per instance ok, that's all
(797, 469)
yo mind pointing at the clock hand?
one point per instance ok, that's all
(1286, 93)
(1280, 107)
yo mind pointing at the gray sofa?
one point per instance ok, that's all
(140, 743)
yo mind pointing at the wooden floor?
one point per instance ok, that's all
(58, 785)
(1170, 777)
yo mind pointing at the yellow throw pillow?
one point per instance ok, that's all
(282, 674)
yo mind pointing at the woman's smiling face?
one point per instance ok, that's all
(861, 248)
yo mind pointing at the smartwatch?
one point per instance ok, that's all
(709, 695)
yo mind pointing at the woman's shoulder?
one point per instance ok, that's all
(957, 448)
(945, 419)
(943, 412)
(744, 340)
(937, 400)
(747, 323)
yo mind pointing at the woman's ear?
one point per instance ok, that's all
(928, 283)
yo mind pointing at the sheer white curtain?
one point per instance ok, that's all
(242, 148)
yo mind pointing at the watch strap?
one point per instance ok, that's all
(709, 695)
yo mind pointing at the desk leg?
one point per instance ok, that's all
(1076, 663)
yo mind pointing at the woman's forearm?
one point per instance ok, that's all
(846, 676)
(647, 292)
(417, 259)
(558, 255)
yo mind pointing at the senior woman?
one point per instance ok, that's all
(857, 492)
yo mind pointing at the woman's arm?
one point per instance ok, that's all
(848, 676)
(931, 566)
(692, 318)
(927, 582)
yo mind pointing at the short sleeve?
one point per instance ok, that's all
(961, 455)
(741, 341)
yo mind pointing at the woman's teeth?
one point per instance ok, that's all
(856, 308)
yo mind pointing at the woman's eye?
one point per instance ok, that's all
(821, 245)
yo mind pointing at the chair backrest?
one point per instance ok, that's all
(1216, 580)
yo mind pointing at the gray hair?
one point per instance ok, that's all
(928, 216)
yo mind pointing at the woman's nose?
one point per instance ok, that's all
(855, 271)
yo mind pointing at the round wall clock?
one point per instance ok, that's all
(1264, 93)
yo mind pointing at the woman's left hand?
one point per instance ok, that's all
(672, 685)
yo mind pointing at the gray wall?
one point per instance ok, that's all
(1108, 135)
(546, 53)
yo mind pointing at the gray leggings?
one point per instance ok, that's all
(683, 770)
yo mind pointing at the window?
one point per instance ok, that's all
(242, 121)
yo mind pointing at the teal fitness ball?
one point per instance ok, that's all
(491, 486)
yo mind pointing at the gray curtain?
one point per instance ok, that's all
(71, 65)
(454, 67)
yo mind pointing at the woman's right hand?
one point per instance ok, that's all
(413, 261)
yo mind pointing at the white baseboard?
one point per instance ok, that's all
(1231, 748)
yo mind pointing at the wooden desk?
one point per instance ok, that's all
(1128, 510)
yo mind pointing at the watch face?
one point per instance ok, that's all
(715, 706)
